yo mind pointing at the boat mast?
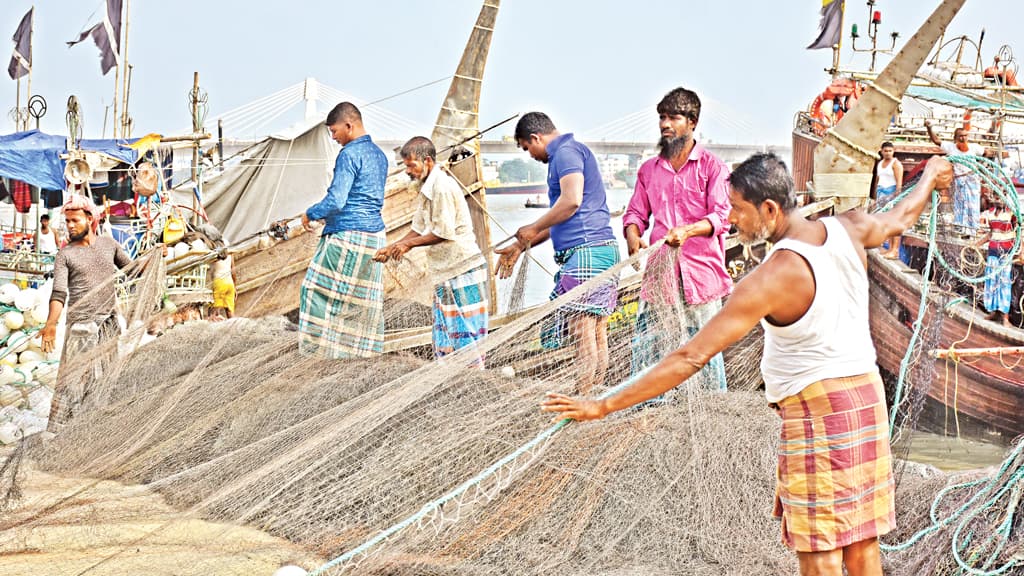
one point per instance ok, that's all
(846, 155)
(125, 130)
(459, 120)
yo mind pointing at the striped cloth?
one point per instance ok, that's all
(835, 484)
(662, 329)
(341, 313)
(460, 313)
(1002, 226)
(577, 265)
(21, 196)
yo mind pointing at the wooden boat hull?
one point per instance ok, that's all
(984, 392)
(269, 273)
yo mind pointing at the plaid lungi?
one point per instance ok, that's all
(577, 265)
(460, 313)
(835, 484)
(341, 313)
(998, 294)
(660, 329)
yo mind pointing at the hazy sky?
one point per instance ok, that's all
(586, 63)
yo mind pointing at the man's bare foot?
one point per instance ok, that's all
(996, 316)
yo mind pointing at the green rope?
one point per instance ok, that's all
(988, 551)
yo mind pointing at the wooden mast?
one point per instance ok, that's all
(846, 155)
(459, 119)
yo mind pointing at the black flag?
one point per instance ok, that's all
(21, 60)
(107, 35)
(831, 25)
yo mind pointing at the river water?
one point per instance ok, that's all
(509, 213)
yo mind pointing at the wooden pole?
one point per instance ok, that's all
(958, 353)
(28, 88)
(117, 97)
(195, 145)
(127, 71)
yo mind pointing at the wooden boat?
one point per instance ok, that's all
(269, 271)
(973, 395)
(977, 395)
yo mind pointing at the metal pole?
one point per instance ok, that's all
(220, 140)
(17, 107)
(127, 71)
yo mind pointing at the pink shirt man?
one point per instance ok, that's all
(698, 191)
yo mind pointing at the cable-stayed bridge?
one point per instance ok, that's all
(635, 134)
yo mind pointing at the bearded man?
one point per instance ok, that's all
(457, 268)
(685, 189)
(83, 277)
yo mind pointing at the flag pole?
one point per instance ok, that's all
(127, 69)
(838, 48)
(31, 33)
(117, 96)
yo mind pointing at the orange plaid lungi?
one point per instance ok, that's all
(835, 485)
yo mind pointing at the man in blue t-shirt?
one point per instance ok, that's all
(585, 246)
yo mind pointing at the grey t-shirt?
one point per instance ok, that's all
(84, 276)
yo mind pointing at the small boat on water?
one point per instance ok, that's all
(537, 201)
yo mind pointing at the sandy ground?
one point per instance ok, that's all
(60, 528)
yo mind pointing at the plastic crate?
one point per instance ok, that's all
(192, 280)
(188, 287)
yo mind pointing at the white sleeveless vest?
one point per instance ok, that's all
(833, 338)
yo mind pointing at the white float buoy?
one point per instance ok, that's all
(7, 293)
(290, 570)
(26, 299)
(14, 320)
(508, 372)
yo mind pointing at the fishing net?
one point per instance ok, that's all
(932, 306)
(219, 449)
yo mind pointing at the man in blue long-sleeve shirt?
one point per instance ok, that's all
(341, 314)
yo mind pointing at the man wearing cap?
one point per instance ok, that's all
(83, 277)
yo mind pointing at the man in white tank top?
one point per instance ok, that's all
(888, 184)
(835, 489)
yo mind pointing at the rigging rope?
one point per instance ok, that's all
(967, 553)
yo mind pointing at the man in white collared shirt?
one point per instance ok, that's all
(456, 266)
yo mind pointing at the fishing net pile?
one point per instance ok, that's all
(405, 465)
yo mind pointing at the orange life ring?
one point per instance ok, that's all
(1005, 75)
(846, 88)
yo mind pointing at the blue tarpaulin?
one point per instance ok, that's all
(34, 157)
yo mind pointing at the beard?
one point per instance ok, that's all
(671, 146)
(75, 237)
(755, 236)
